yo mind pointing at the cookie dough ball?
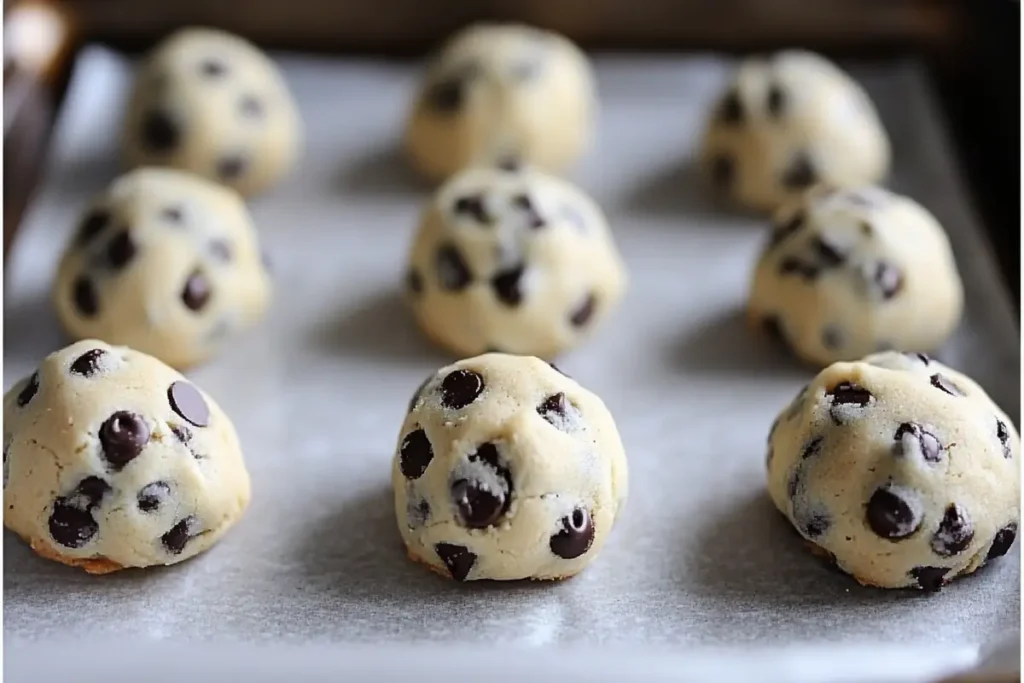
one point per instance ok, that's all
(507, 469)
(164, 262)
(114, 460)
(501, 94)
(850, 272)
(512, 261)
(898, 469)
(788, 122)
(211, 103)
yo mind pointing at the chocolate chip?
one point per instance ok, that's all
(827, 256)
(417, 512)
(849, 393)
(231, 167)
(456, 558)
(415, 454)
(212, 68)
(419, 392)
(447, 96)
(800, 173)
(787, 228)
(911, 438)
(152, 496)
(1002, 542)
(942, 382)
(460, 388)
(524, 204)
(84, 295)
(29, 391)
(930, 579)
(1003, 434)
(196, 293)
(221, 250)
(888, 278)
(555, 408)
(795, 481)
(71, 523)
(123, 436)
(791, 265)
(414, 281)
(575, 537)
(90, 492)
(582, 315)
(813, 524)
(812, 448)
(92, 225)
(955, 532)
(88, 364)
(723, 170)
(832, 337)
(179, 535)
(893, 513)
(452, 272)
(730, 111)
(477, 505)
(776, 101)
(557, 369)
(160, 132)
(507, 285)
(182, 433)
(250, 107)
(472, 206)
(923, 357)
(172, 214)
(120, 250)
(189, 403)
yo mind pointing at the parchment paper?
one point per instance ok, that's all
(318, 391)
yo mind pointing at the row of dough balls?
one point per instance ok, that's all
(895, 469)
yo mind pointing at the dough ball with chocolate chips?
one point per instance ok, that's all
(211, 103)
(114, 460)
(507, 469)
(164, 262)
(850, 272)
(512, 261)
(898, 470)
(788, 122)
(500, 94)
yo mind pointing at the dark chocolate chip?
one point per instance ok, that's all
(196, 293)
(507, 285)
(231, 167)
(791, 265)
(179, 535)
(723, 170)
(827, 256)
(795, 481)
(120, 250)
(452, 271)
(524, 204)
(419, 392)
(71, 522)
(815, 524)
(930, 579)
(221, 250)
(123, 436)
(182, 433)
(89, 492)
(415, 454)
(85, 297)
(575, 537)
(787, 228)
(942, 382)
(1002, 542)
(189, 403)
(212, 68)
(800, 173)
(890, 515)
(812, 448)
(832, 337)
(152, 496)
(251, 107)
(582, 315)
(414, 281)
(923, 357)
(848, 393)
(1003, 434)
(92, 225)
(447, 96)
(554, 408)
(478, 506)
(730, 111)
(456, 558)
(916, 437)
(160, 132)
(29, 391)
(472, 206)
(955, 532)
(88, 364)
(172, 214)
(460, 388)
(888, 278)
(776, 100)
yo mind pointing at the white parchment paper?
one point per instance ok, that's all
(318, 391)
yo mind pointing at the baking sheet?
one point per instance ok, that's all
(318, 393)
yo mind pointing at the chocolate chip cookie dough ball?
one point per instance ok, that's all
(164, 262)
(851, 272)
(507, 469)
(211, 103)
(499, 94)
(114, 460)
(512, 261)
(900, 470)
(788, 122)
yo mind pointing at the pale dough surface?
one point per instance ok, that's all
(850, 272)
(212, 103)
(901, 443)
(180, 492)
(787, 122)
(497, 92)
(166, 263)
(492, 424)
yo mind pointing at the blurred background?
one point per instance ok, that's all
(971, 49)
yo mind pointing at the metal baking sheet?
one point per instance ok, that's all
(317, 392)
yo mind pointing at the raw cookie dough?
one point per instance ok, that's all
(114, 460)
(851, 272)
(898, 469)
(512, 261)
(502, 93)
(211, 103)
(787, 122)
(507, 469)
(164, 262)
